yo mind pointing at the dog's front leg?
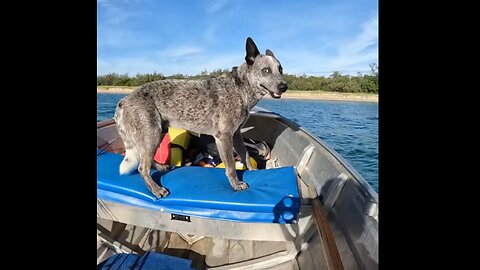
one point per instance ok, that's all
(225, 149)
(241, 150)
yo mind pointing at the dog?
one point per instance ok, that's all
(215, 106)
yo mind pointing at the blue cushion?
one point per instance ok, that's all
(149, 261)
(272, 195)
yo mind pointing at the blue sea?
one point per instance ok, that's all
(351, 128)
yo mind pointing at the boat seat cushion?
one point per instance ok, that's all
(272, 195)
(150, 260)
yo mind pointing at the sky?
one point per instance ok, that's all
(312, 37)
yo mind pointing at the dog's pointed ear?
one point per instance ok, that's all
(270, 53)
(252, 51)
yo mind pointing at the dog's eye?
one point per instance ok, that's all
(267, 70)
(280, 69)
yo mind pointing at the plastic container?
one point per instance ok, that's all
(179, 141)
(173, 146)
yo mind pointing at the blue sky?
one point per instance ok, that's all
(313, 37)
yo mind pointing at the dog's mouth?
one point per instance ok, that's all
(272, 94)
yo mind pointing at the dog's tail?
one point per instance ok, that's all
(130, 162)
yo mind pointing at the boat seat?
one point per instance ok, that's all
(272, 196)
(150, 260)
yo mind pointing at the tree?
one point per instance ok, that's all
(336, 82)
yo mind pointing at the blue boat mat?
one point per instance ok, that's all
(149, 261)
(272, 196)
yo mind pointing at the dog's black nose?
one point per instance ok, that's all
(282, 87)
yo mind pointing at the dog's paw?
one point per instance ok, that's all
(159, 192)
(240, 185)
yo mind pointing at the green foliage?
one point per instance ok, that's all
(113, 79)
(336, 82)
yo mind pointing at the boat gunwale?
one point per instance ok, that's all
(356, 175)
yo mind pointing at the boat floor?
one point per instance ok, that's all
(204, 252)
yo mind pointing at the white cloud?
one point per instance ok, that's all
(348, 56)
(181, 51)
(359, 49)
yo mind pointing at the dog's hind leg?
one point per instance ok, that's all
(141, 132)
(225, 146)
(144, 168)
(241, 149)
(147, 145)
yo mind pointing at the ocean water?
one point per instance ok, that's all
(350, 128)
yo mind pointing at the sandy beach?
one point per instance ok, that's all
(291, 94)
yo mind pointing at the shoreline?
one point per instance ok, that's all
(311, 95)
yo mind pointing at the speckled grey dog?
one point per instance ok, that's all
(215, 106)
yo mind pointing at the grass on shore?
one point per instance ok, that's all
(106, 87)
(322, 92)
